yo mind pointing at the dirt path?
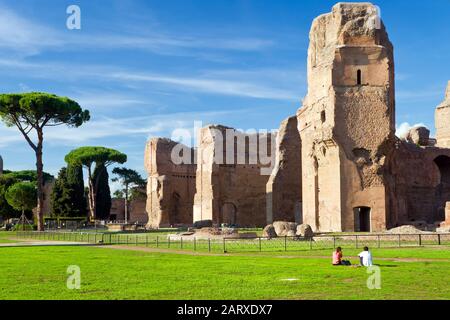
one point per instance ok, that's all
(42, 244)
(191, 253)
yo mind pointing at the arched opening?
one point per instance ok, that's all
(175, 202)
(323, 116)
(229, 214)
(443, 163)
(359, 77)
(362, 219)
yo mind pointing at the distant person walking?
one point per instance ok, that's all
(365, 258)
(337, 258)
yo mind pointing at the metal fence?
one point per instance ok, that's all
(228, 245)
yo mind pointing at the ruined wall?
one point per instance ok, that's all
(284, 189)
(347, 120)
(442, 121)
(231, 188)
(170, 186)
(137, 211)
(117, 212)
(422, 183)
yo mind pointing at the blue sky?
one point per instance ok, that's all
(146, 68)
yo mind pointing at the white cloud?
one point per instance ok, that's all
(253, 83)
(25, 38)
(106, 127)
(215, 86)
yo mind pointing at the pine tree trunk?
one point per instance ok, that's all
(126, 204)
(40, 184)
(91, 195)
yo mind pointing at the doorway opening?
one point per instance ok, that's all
(229, 214)
(174, 214)
(362, 219)
(359, 77)
(443, 163)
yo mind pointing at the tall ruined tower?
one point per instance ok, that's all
(347, 121)
(443, 121)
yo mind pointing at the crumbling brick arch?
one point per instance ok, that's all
(229, 213)
(443, 163)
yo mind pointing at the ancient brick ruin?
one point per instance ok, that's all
(171, 186)
(231, 186)
(338, 165)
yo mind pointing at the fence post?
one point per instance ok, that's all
(399, 241)
(168, 241)
(439, 239)
(379, 241)
(110, 238)
(260, 249)
(127, 239)
(146, 240)
(224, 246)
(195, 245)
(334, 242)
(356, 241)
(209, 244)
(285, 243)
(137, 240)
(420, 240)
(95, 238)
(157, 241)
(181, 242)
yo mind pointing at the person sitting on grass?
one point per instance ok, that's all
(365, 258)
(337, 258)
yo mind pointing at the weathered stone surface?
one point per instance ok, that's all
(137, 212)
(269, 232)
(203, 224)
(282, 228)
(171, 186)
(305, 231)
(447, 213)
(442, 121)
(231, 189)
(445, 229)
(290, 233)
(284, 188)
(407, 229)
(421, 179)
(419, 136)
(347, 120)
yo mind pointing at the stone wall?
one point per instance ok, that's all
(170, 186)
(284, 189)
(347, 120)
(443, 121)
(137, 211)
(421, 183)
(231, 182)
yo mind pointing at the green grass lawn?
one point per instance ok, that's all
(7, 237)
(40, 273)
